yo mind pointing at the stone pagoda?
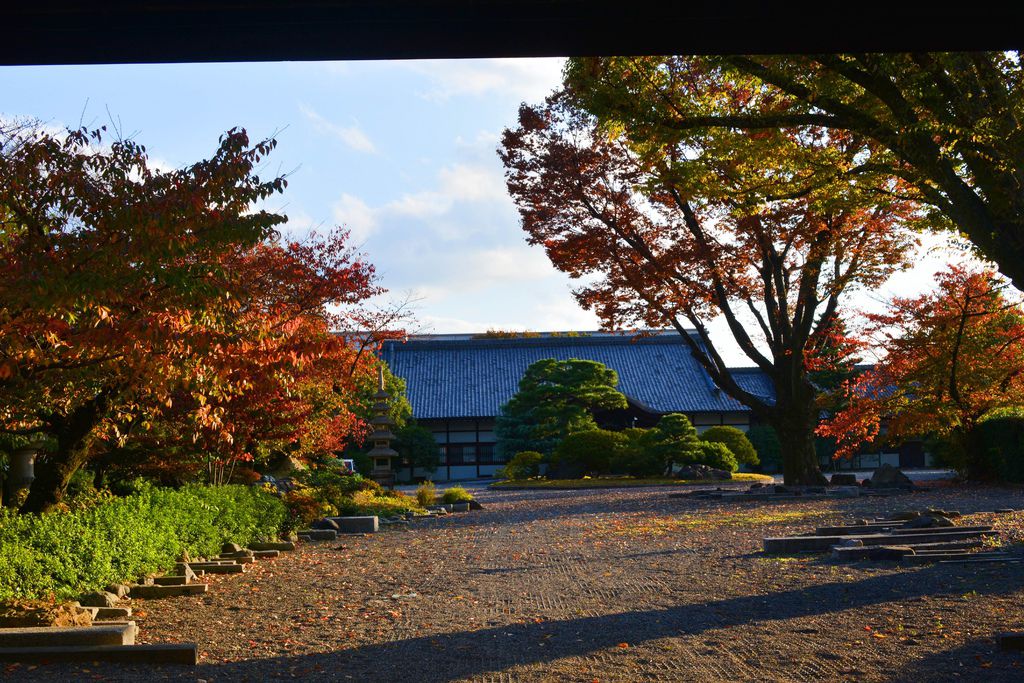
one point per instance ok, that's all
(382, 454)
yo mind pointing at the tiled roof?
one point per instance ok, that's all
(456, 376)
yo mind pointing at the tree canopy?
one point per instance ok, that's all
(948, 126)
(161, 310)
(953, 356)
(676, 232)
(555, 398)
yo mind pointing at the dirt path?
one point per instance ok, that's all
(596, 585)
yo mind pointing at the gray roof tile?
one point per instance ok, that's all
(456, 376)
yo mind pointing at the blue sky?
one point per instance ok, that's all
(401, 153)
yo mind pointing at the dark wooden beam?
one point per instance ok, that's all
(76, 32)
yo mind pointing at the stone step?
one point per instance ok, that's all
(369, 524)
(48, 636)
(848, 530)
(266, 554)
(157, 592)
(164, 653)
(277, 545)
(171, 580)
(244, 559)
(912, 532)
(893, 528)
(218, 568)
(854, 554)
(1009, 559)
(821, 544)
(110, 613)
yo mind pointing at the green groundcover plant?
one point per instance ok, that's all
(123, 539)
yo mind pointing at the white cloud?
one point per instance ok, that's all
(524, 79)
(355, 215)
(462, 182)
(352, 136)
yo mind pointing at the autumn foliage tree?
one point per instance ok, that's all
(111, 281)
(950, 125)
(162, 310)
(667, 236)
(952, 357)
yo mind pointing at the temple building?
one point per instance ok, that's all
(457, 384)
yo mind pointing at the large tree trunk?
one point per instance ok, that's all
(74, 441)
(795, 427)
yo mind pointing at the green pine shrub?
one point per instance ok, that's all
(456, 494)
(426, 494)
(717, 455)
(766, 442)
(523, 465)
(736, 441)
(588, 452)
(123, 539)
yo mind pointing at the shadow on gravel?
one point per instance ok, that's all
(449, 656)
(978, 660)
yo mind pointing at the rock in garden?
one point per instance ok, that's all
(889, 477)
(99, 599)
(843, 480)
(325, 524)
(928, 521)
(890, 552)
(701, 472)
(34, 613)
(118, 589)
(230, 548)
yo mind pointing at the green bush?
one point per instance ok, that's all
(123, 539)
(638, 454)
(456, 494)
(426, 494)
(523, 465)
(1000, 449)
(389, 504)
(589, 452)
(674, 440)
(736, 441)
(769, 450)
(717, 455)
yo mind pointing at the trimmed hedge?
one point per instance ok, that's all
(123, 539)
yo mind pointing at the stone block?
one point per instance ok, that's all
(318, 535)
(170, 580)
(279, 545)
(164, 653)
(111, 613)
(230, 548)
(157, 592)
(326, 523)
(218, 568)
(843, 480)
(460, 507)
(47, 636)
(821, 544)
(357, 525)
(266, 554)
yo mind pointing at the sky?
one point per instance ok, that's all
(401, 153)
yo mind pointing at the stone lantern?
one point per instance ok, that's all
(382, 454)
(21, 471)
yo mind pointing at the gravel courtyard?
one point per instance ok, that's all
(622, 585)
